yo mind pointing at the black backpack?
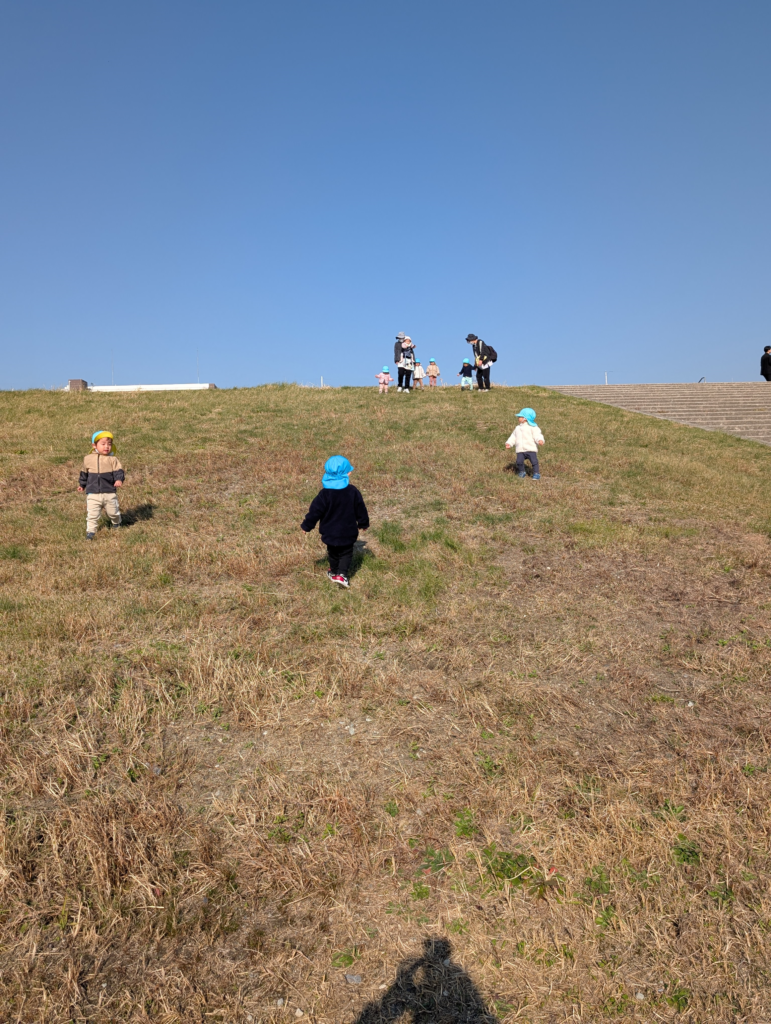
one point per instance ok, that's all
(488, 352)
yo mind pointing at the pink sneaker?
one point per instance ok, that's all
(342, 580)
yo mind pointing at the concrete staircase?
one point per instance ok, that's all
(740, 409)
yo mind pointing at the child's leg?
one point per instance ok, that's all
(382, 388)
(385, 388)
(533, 456)
(333, 553)
(93, 511)
(520, 462)
(345, 558)
(112, 508)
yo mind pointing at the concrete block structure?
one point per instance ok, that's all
(743, 409)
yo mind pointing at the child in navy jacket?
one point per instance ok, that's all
(340, 511)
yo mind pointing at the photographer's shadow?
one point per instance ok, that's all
(429, 989)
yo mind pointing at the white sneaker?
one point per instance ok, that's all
(398, 389)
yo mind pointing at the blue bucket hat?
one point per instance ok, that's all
(528, 414)
(336, 472)
(385, 369)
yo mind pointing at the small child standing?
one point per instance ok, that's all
(419, 375)
(433, 373)
(100, 478)
(340, 511)
(526, 438)
(384, 379)
(466, 382)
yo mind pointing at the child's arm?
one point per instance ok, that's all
(510, 442)
(360, 511)
(315, 512)
(83, 479)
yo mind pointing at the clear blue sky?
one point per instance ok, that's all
(284, 186)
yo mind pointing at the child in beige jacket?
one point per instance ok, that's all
(526, 439)
(101, 477)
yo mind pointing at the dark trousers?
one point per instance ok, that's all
(404, 377)
(533, 456)
(483, 379)
(340, 557)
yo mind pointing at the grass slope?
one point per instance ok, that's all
(536, 727)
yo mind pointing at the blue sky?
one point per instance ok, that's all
(283, 187)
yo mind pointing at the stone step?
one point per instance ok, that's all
(742, 409)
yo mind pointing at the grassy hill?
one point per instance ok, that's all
(536, 727)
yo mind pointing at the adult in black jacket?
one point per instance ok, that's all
(481, 361)
(340, 511)
(765, 363)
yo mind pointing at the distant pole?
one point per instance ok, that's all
(322, 382)
(606, 376)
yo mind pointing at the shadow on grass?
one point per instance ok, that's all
(511, 467)
(137, 514)
(429, 989)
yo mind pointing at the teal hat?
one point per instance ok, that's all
(432, 360)
(528, 414)
(385, 369)
(336, 472)
(466, 360)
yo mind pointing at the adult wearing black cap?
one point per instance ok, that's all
(482, 361)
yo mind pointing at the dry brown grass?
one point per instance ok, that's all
(536, 726)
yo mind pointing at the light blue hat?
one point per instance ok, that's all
(528, 414)
(336, 472)
(465, 360)
(385, 369)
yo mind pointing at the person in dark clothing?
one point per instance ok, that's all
(340, 511)
(482, 361)
(765, 363)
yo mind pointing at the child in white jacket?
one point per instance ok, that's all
(525, 439)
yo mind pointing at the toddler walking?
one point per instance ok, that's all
(340, 511)
(433, 373)
(419, 374)
(466, 383)
(100, 478)
(526, 438)
(384, 379)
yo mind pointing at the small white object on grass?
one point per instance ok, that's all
(639, 995)
(353, 979)
(298, 1013)
(351, 730)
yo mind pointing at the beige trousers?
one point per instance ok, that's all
(98, 503)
